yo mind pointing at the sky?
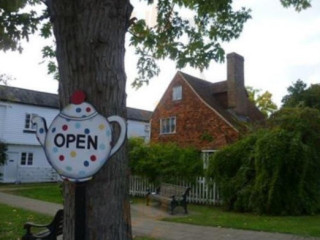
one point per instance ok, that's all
(279, 46)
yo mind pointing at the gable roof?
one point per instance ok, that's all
(208, 91)
(50, 100)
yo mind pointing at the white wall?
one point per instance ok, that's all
(14, 122)
(3, 109)
(139, 129)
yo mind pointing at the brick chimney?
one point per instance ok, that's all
(237, 96)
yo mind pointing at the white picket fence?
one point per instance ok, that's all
(201, 192)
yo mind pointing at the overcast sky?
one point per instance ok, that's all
(279, 46)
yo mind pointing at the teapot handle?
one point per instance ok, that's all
(122, 135)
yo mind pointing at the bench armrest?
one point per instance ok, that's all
(31, 224)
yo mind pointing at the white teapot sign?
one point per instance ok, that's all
(78, 142)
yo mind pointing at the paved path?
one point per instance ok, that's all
(145, 222)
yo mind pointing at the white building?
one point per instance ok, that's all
(26, 160)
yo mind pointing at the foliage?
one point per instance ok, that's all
(189, 32)
(164, 162)
(275, 170)
(3, 153)
(189, 38)
(300, 96)
(232, 169)
(263, 101)
(297, 4)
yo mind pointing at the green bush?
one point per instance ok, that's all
(3, 154)
(275, 170)
(164, 162)
(232, 168)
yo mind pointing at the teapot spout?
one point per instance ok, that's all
(41, 128)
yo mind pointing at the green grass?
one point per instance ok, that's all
(12, 221)
(49, 192)
(213, 216)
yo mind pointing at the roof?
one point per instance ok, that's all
(50, 100)
(209, 92)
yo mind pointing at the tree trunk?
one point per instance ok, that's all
(90, 38)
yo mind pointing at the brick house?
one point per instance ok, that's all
(206, 115)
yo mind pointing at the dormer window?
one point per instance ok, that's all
(177, 93)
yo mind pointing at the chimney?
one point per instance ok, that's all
(237, 96)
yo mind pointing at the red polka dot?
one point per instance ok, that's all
(93, 158)
(61, 157)
(65, 127)
(88, 109)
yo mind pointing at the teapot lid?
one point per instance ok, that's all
(78, 107)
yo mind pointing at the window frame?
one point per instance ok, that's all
(28, 126)
(169, 127)
(26, 159)
(177, 93)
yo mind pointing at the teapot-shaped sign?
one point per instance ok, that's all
(78, 142)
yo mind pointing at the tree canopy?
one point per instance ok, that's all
(301, 96)
(186, 31)
(263, 101)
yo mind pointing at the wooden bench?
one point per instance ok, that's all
(170, 195)
(50, 232)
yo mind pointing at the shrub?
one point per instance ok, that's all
(275, 170)
(3, 154)
(164, 162)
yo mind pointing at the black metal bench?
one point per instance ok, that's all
(170, 196)
(50, 232)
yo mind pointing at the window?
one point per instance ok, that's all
(206, 154)
(177, 93)
(27, 122)
(168, 125)
(26, 159)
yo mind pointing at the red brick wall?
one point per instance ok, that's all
(196, 124)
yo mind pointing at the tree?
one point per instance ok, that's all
(263, 101)
(301, 96)
(294, 96)
(274, 170)
(89, 38)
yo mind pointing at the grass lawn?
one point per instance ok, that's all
(49, 192)
(200, 215)
(214, 216)
(12, 221)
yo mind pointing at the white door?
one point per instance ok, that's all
(11, 168)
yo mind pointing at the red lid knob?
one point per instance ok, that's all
(78, 97)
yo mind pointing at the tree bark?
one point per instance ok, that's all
(90, 38)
